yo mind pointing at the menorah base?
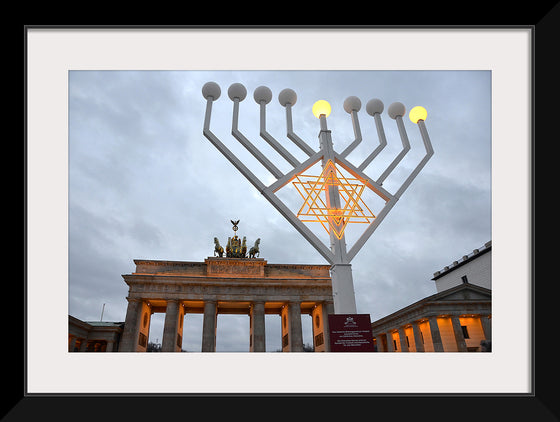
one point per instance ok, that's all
(343, 289)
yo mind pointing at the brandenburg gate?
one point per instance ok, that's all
(227, 285)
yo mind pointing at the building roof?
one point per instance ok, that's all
(104, 323)
(89, 325)
(466, 258)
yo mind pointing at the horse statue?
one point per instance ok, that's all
(244, 247)
(228, 247)
(255, 249)
(217, 248)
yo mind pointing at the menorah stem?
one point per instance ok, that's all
(338, 245)
(341, 270)
(343, 289)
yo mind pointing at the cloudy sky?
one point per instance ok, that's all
(144, 183)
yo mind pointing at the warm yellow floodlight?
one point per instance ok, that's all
(418, 113)
(321, 107)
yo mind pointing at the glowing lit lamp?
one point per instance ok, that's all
(418, 113)
(321, 107)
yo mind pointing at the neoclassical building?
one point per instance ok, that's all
(222, 285)
(219, 285)
(93, 336)
(456, 319)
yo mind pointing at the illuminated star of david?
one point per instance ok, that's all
(313, 190)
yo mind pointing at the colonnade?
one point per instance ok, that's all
(77, 344)
(93, 336)
(436, 333)
(139, 311)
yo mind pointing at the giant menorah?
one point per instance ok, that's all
(335, 197)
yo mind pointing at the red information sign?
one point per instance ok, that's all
(350, 333)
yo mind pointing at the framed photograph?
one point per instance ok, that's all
(118, 169)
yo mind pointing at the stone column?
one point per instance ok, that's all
(486, 323)
(209, 326)
(144, 327)
(328, 309)
(83, 345)
(296, 341)
(320, 323)
(72, 344)
(131, 326)
(458, 331)
(292, 340)
(417, 337)
(110, 346)
(390, 344)
(379, 342)
(171, 327)
(436, 336)
(402, 337)
(258, 336)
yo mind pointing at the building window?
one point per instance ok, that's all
(142, 340)
(395, 344)
(465, 331)
(464, 279)
(407, 342)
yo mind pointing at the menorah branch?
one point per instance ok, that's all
(288, 98)
(422, 163)
(352, 105)
(248, 145)
(273, 142)
(382, 141)
(357, 134)
(400, 156)
(226, 152)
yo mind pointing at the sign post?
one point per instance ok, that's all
(350, 333)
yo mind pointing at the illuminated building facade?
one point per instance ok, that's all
(456, 319)
(93, 336)
(216, 286)
(226, 286)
